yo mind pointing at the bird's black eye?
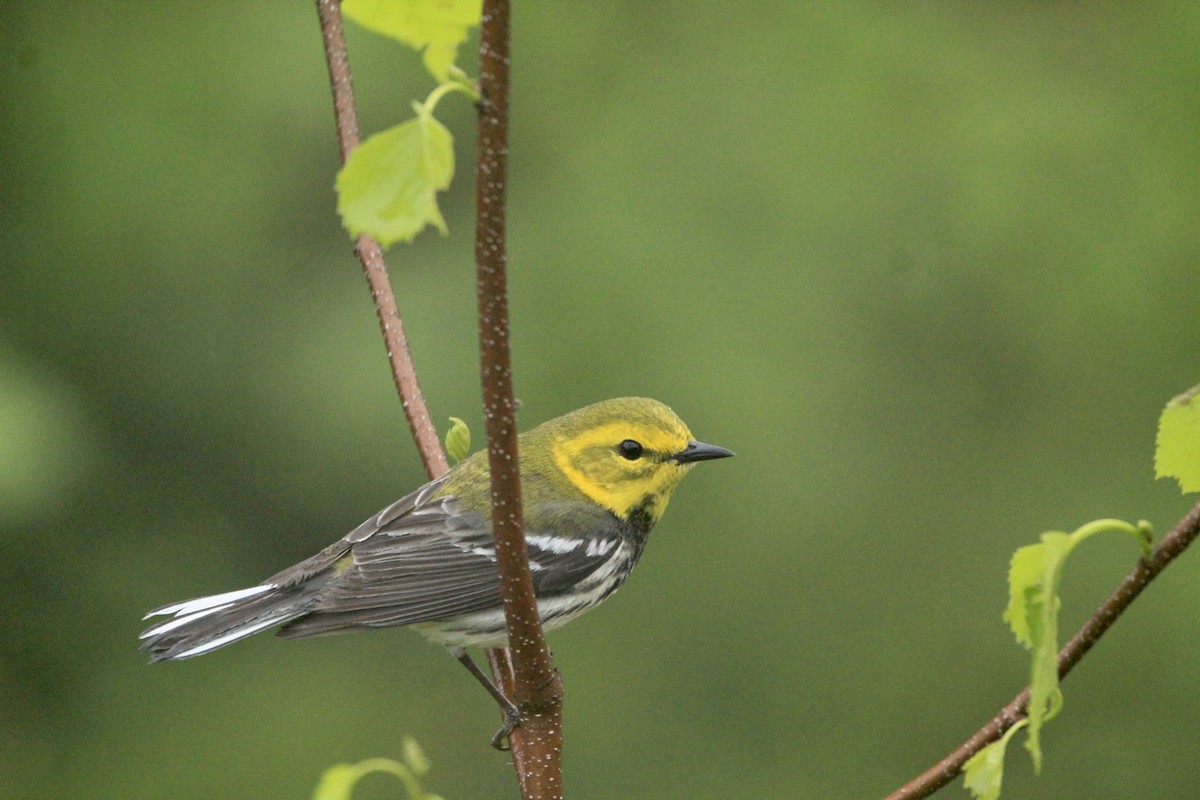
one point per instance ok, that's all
(630, 449)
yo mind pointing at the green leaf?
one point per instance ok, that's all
(1042, 614)
(1024, 581)
(337, 782)
(458, 439)
(984, 772)
(413, 755)
(388, 187)
(1032, 613)
(1177, 453)
(437, 27)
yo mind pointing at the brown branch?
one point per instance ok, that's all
(536, 686)
(1172, 545)
(526, 674)
(404, 374)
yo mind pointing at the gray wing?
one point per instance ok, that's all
(392, 515)
(431, 561)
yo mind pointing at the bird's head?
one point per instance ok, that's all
(626, 454)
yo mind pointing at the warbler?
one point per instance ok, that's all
(593, 482)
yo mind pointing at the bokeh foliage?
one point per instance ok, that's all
(931, 270)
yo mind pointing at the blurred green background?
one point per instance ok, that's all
(930, 269)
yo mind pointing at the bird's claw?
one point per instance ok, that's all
(512, 719)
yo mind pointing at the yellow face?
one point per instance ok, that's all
(626, 465)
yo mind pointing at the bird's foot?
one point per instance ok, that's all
(512, 719)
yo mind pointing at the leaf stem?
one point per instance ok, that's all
(443, 89)
(1141, 532)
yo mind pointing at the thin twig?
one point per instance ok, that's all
(501, 665)
(404, 374)
(1172, 545)
(537, 688)
(527, 675)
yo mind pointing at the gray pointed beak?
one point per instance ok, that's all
(699, 451)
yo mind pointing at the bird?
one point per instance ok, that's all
(594, 482)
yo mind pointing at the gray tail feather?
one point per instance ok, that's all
(199, 626)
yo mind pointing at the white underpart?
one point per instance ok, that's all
(554, 611)
(232, 636)
(207, 603)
